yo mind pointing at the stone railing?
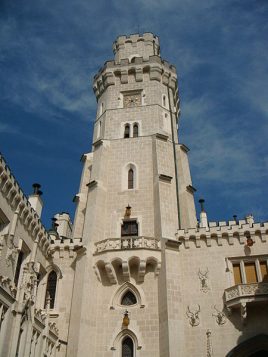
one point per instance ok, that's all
(124, 243)
(246, 291)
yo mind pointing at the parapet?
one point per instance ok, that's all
(136, 45)
(232, 232)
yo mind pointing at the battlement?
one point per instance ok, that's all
(136, 45)
(157, 68)
(230, 231)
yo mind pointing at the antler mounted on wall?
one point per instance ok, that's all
(193, 316)
(203, 277)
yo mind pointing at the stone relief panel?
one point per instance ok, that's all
(204, 280)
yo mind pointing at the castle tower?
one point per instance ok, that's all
(135, 193)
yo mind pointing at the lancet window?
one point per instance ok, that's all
(127, 131)
(135, 130)
(127, 347)
(130, 179)
(51, 288)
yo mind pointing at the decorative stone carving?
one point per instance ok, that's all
(12, 250)
(244, 290)
(193, 316)
(127, 243)
(209, 344)
(203, 277)
(132, 100)
(220, 316)
(243, 312)
(8, 285)
(29, 281)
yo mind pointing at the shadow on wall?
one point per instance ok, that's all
(250, 344)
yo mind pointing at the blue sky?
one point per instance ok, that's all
(50, 51)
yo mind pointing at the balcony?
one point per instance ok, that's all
(238, 296)
(118, 259)
(111, 244)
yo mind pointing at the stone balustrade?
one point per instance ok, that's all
(240, 291)
(111, 244)
(238, 296)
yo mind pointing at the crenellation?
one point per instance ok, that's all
(229, 232)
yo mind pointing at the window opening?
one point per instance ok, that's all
(127, 347)
(129, 228)
(130, 179)
(129, 298)
(251, 274)
(51, 288)
(237, 274)
(135, 130)
(127, 130)
(264, 271)
(18, 267)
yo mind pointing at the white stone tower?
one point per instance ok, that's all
(135, 193)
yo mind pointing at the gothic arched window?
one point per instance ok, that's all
(130, 179)
(127, 131)
(128, 298)
(51, 287)
(135, 130)
(127, 347)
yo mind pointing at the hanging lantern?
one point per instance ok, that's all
(126, 319)
(128, 211)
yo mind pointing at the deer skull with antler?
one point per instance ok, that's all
(203, 276)
(220, 316)
(193, 316)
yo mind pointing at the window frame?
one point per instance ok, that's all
(243, 262)
(130, 221)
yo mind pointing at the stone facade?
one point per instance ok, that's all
(136, 274)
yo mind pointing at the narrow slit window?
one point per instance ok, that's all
(127, 347)
(127, 131)
(130, 179)
(18, 267)
(164, 101)
(135, 130)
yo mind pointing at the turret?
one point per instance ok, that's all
(136, 46)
